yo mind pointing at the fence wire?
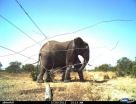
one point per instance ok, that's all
(13, 87)
(31, 19)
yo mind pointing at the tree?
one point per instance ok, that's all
(113, 68)
(0, 65)
(34, 73)
(32, 69)
(134, 70)
(96, 69)
(133, 73)
(14, 67)
(28, 67)
(103, 67)
(124, 66)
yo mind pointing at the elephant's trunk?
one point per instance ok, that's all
(83, 66)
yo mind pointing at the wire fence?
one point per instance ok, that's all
(58, 34)
(35, 24)
(8, 88)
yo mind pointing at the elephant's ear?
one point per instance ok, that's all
(78, 41)
(70, 54)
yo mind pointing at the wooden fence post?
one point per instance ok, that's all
(48, 92)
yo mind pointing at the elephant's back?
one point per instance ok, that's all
(55, 46)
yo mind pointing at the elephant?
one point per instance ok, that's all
(54, 54)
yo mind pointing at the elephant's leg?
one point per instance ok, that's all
(40, 76)
(63, 76)
(63, 71)
(80, 73)
(44, 70)
(48, 76)
(67, 75)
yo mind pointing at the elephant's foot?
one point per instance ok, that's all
(62, 80)
(40, 80)
(68, 80)
(82, 80)
(48, 80)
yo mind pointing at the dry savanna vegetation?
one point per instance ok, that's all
(99, 86)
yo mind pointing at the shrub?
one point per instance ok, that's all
(14, 67)
(124, 66)
(103, 67)
(34, 73)
(28, 67)
(134, 70)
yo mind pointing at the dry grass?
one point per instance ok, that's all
(89, 76)
(14, 86)
(20, 87)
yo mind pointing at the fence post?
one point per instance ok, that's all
(48, 92)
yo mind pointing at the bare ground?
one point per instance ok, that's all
(20, 87)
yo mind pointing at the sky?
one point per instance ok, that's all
(108, 41)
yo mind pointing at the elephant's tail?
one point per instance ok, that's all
(38, 64)
(39, 59)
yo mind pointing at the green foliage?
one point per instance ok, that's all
(134, 70)
(34, 73)
(124, 66)
(114, 69)
(28, 67)
(96, 69)
(32, 69)
(14, 67)
(103, 67)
